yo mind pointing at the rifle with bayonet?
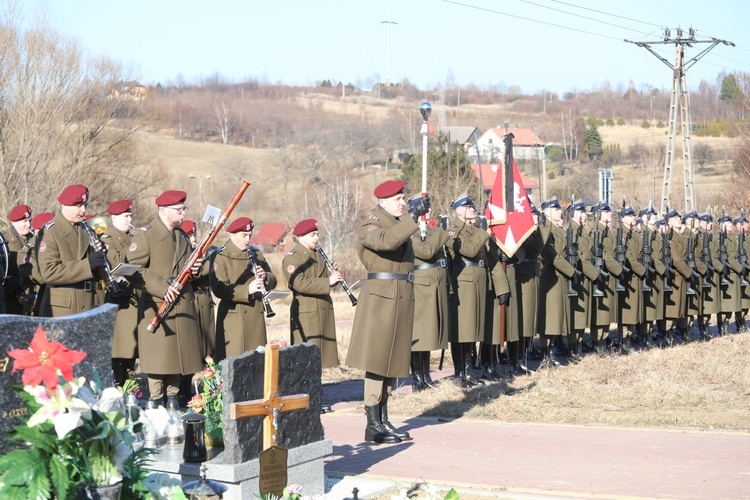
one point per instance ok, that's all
(707, 258)
(648, 259)
(690, 261)
(571, 250)
(741, 252)
(620, 251)
(597, 257)
(723, 252)
(666, 257)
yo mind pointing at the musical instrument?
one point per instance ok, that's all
(198, 252)
(254, 262)
(95, 243)
(343, 283)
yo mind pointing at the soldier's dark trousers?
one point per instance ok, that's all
(120, 370)
(161, 385)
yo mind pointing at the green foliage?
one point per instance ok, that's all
(660, 124)
(731, 92)
(610, 122)
(645, 124)
(593, 142)
(210, 401)
(326, 83)
(620, 122)
(711, 129)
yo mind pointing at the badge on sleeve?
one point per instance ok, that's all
(133, 247)
(290, 268)
(42, 246)
(371, 227)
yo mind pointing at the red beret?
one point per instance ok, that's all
(188, 226)
(120, 207)
(74, 194)
(305, 226)
(390, 188)
(241, 224)
(41, 219)
(168, 198)
(19, 212)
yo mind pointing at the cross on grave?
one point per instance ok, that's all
(272, 404)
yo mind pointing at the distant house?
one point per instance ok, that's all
(526, 145)
(273, 237)
(462, 134)
(131, 91)
(489, 173)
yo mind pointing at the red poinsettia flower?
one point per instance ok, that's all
(41, 361)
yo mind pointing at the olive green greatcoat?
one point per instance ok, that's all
(675, 302)
(695, 301)
(711, 296)
(240, 317)
(176, 346)
(430, 291)
(498, 285)
(311, 316)
(604, 308)
(125, 340)
(581, 302)
(62, 259)
(746, 289)
(631, 301)
(381, 335)
(731, 294)
(204, 306)
(17, 287)
(553, 314)
(653, 301)
(523, 278)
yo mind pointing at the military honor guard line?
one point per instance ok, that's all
(598, 280)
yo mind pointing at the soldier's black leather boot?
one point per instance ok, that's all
(417, 378)
(457, 355)
(428, 382)
(402, 435)
(375, 431)
(468, 363)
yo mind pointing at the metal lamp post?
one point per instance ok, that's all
(425, 108)
(200, 190)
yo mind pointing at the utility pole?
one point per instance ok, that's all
(679, 95)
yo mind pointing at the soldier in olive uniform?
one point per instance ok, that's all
(604, 307)
(695, 282)
(240, 317)
(311, 317)
(652, 286)
(17, 287)
(28, 268)
(469, 286)
(117, 238)
(710, 290)
(630, 300)
(498, 294)
(553, 315)
(175, 348)
(382, 332)
(675, 302)
(581, 302)
(741, 225)
(204, 301)
(430, 330)
(66, 260)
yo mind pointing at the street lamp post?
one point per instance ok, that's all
(200, 191)
(388, 57)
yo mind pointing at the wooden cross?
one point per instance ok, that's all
(272, 404)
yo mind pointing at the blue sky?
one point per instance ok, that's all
(299, 42)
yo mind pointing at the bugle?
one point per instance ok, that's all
(198, 252)
(93, 240)
(343, 283)
(254, 262)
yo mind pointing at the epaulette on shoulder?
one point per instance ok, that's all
(104, 236)
(374, 217)
(144, 228)
(290, 252)
(48, 225)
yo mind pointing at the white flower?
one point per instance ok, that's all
(110, 400)
(156, 419)
(59, 406)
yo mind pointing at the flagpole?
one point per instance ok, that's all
(424, 108)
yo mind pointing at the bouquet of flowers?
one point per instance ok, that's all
(77, 434)
(210, 401)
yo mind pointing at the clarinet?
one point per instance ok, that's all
(93, 240)
(254, 262)
(343, 283)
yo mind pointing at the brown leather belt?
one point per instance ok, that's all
(440, 263)
(86, 286)
(391, 276)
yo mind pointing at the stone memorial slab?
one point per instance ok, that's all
(299, 373)
(90, 332)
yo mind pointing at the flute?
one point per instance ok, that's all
(343, 283)
(254, 262)
(93, 240)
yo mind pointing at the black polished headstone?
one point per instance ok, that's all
(90, 332)
(299, 373)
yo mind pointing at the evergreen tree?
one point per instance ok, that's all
(593, 141)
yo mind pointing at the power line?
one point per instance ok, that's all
(608, 14)
(484, 9)
(585, 17)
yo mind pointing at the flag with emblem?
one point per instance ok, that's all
(508, 210)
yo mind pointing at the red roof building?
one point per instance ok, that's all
(273, 237)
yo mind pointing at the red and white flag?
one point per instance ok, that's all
(509, 221)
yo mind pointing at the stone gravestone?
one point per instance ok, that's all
(299, 431)
(90, 332)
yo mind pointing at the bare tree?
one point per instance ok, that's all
(224, 120)
(703, 153)
(340, 205)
